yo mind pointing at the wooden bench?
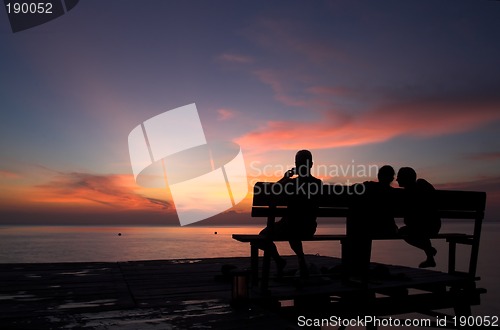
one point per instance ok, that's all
(336, 201)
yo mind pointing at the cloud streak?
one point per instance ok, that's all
(483, 156)
(279, 89)
(423, 118)
(490, 185)
(225, 114)
(114, 191)
(8, 175)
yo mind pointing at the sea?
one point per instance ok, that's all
(45, 244)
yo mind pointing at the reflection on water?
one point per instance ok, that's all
(74, 244)
(67, 244)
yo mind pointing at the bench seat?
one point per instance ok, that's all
(249, 238)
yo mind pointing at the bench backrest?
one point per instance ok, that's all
(335, 200)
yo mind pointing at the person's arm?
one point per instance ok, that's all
(288, 174)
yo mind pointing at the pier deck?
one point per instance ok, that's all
(181, 294)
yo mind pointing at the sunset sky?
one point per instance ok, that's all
(359, 83)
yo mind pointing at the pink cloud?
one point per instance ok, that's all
(8, 175)
(225, 114)
(274, 80)
(425, 118)
(115, 191)
(484, 156)
(489, 184)
(310, 98)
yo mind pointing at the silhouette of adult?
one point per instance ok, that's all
(421, 218)
(301, 189)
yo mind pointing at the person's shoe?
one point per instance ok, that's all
(430, 262)
(427, 263)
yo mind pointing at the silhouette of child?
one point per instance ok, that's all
(421, 219)
(370, 215)
(378, 205)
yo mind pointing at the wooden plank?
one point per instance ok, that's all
(460, 200)
(186, 291)
(339, 197)
(247, 238)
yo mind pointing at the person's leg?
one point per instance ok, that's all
(269, 247)
(356, 248)
(430, 252)
(423, 243)
(356, 255)
(418, 242)
(296, 246)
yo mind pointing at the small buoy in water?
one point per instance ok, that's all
(119, 234)
(215, 233)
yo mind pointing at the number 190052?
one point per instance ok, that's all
(479, 321)
(29, 8)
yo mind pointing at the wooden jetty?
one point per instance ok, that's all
(192, 293)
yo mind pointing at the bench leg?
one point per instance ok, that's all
(462, 300)
(452, 245)
(356, 255)
(254, 263)
(462, 308)
(265, 272)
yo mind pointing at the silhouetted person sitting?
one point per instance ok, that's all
(370, 215)
(301, 190)
(379, 204)
(386, 175)
(421, 218)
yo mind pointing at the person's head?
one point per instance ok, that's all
(386, 174)
(303, 162)
(406, 177)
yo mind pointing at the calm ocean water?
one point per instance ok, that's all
(69, 244)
